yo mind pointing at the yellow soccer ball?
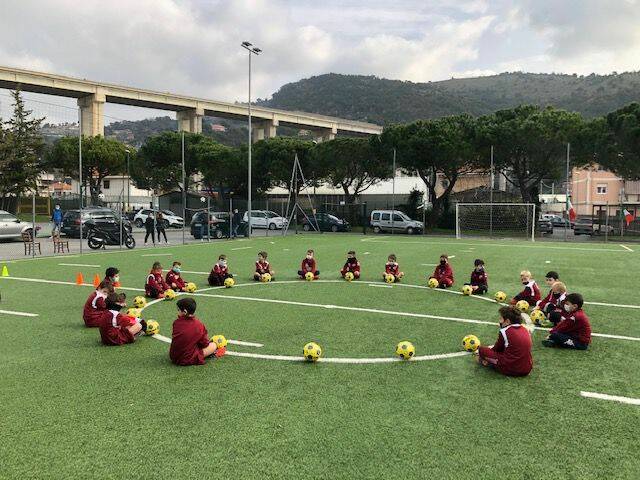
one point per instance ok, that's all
(470, 343)
(500, 297)
(153, 327)
(169, 294)
(348, 276)
(139, 302)
(389, 278)
(523, 306)
(467, 290)
(405, 350)
(265, 277)
(312, 352)
(134, 312)
(190, 287)
(308, 276)
(229, 282)
(219, 340)
(537, 316)
(433, 283)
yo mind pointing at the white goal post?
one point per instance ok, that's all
(503, 220)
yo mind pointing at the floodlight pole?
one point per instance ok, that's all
(566, 195)
(393, 191)
(252, 51)
(80, 171)
(491, 197)
(184, 193)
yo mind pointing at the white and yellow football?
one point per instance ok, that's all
(312, 352)
(523, 306)
(153, 327)
(537, 316)
(219, 340)
(169, 294)
(389, 278)
(308, 276)
(433, 283)
(265, 277)
(190, 287)
(500, 297)
(405, 350)
(348, 276)
(229, 282)
(134, 312)
(470, 343)
(467, 290)
(139, 302)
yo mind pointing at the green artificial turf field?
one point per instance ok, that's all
(72, 408)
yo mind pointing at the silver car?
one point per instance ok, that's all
(12, 227)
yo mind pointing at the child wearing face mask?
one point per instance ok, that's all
(115, 327)
(443, 272)
(511, 353)
(96, 304)
(219, 273)
(351, 265)
(262, 266)
(553, 304)
(309, 265)
(574, 330)
(479, 279)
(174, 278)
(112, 275)
(530, 293)
(155, 286)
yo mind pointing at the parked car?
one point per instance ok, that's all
(218, 225)
(583, 226)
(265, 219)
(326, 223)
(382, 221)
(557, 220)
(170, 218)
(101, 216)
(545, 226)
(12, 227)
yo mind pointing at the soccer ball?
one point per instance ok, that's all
(433, 283)
(467, 290)
(139, 302)
(153, 327)
(312, 352)
(308, 276)
(405, 350)
(389, 278)
(348, 276)
(470, 343)
(134, 312)
(219, 340)
(190, 287)
(523, 306)
(265, 277)
(229, 282)
(537, 316)
(500, 297)
(169, 294)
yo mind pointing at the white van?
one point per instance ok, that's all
(394, 220)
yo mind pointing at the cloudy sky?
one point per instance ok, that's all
(193, 46)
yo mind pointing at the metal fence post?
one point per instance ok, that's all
(33, 224)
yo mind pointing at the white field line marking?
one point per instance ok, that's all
(78, 265)
(367, 253)
(157, 255)
(429, 264)
(539, 245)
(241, 248)
(20, 314)
(626, 248)
(246, 344)
(613, 398)
(452, 256)
(380, 286)
(612, 305)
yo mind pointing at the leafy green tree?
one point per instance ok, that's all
(21, 148)
(101, 157)
(351, 164)
(275, 156)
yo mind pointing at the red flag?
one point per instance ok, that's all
(572, 212)
(628, 216)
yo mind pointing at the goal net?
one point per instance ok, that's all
(501, 220)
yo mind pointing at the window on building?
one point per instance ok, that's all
(601, 188)
(106, 184)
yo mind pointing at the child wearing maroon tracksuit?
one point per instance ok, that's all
(262, 266)
(115, 327)
(112, 274)
(479, 279)
(351, 265)
(309, 265)
(443, 272)
(190, 343)
(96, 303)
(392, 268)
(574, 330)
(174, 278)
(219, 273)
(155, 286)
(530, 293)
(511, 353)
(553, 304)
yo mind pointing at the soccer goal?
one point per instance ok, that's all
(502, 220)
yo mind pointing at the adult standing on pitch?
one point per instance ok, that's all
(160, 227)
(56, 218)
(150, 228)
(237, 218)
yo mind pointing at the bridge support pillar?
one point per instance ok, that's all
(326, 134)
(92, 113)
(263, 130)
(190, 120)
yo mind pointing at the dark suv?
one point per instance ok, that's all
(99, 215)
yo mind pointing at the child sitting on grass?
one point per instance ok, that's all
(351, 265)
(479, 279)
(155, 286)
(190, 343)
(443, 272)
(174, 278)
(112, 274)
(309, 265)
(553, 304)
(115, 327)
(392, 268)
(262, 266)
(219, 273)
(96, 303)
(574, 330)
(511, 353)
(530, 293)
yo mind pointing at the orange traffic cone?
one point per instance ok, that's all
(79, 278)
(96, 280)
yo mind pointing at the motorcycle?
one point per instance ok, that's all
(108, 234)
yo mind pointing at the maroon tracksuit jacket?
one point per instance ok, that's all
(175, 278)
(155, 285)
(351, 265)
(188, 339)
(308, 266)
(575, 324)
(392, 268)
(479, 278)
(263, 267)
(554, 301)
(511, 354)
(444, 274)
(113, 328)
(92, 308)
(530, 293)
